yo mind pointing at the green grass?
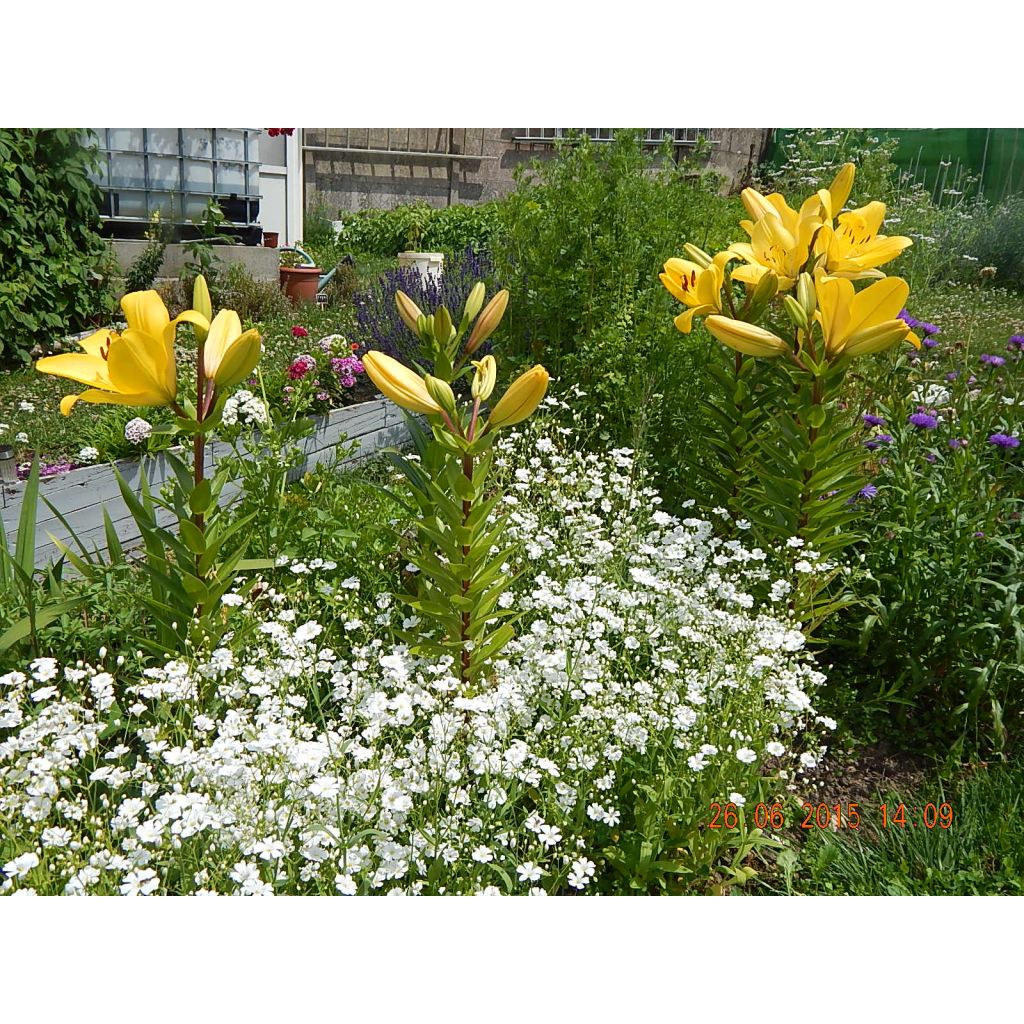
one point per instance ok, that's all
(982, 853)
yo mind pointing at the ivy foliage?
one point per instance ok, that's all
(53, 263)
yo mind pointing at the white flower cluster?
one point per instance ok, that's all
(244, 407)
(292, 766)
(138, 430)
(88, 454)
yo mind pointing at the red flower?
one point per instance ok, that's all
(299, 332)
(274, 132)
(354, 346)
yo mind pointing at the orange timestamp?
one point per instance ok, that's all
(729, 816)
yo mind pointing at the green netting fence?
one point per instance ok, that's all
(942, 157)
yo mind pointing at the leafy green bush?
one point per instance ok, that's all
(253, 300)
(143, 271)
(580, 244)
(937, 644)
(54, 266)
(416, 226)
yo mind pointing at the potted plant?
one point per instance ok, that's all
(418, 217)
(300, 279)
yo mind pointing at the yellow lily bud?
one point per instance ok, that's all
(839, 190)
(408, 311)
(522, 398)
(442, 327)
(488, 321)
(746, 338)
(484, 378)
(403, 386)
(475, 301)
(440, 391)
(230, 355)
(805, 295)
(879, 338)
(698, 255)
(201, 304)
(796, 312)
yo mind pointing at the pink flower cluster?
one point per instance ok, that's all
(346, 367)
(301, 365)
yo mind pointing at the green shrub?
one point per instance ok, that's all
(253, 300)
(416, 226)
(935, 649)
(54, 266)
(143, 271)
(580, 244)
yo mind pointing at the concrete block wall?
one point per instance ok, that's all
(262, 263)
(454, 165)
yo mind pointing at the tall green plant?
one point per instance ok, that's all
(460, 552)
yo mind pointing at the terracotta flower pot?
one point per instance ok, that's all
(270, 239)
(300, 283)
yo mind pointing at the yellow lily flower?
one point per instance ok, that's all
(522, 398)
(136, 367)
(833, 198)
(780, 242)
(749, 339)
(698, 287)
(230, 355)
(865, 322)
(489, 320)
(403, 386)
(854, 249)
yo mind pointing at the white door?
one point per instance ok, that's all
(281, 185)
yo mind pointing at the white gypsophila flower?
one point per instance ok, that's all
(228, 753)
(930, 394)
(88, 454)
(21, 437)
(24, 406)
(138, 430)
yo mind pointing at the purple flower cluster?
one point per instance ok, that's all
(872, 420)
(46, 469)
(990, 360)
(923, 420)
(925, 328)
(378, 325)
(877, 441)
(347, 368)
(1004, 440)
(1016, 343)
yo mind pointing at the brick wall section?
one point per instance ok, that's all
(453, 165)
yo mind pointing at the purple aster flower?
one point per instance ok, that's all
(929, 457)
(979, 533)
(992, 360)
(952, 376)
(872, 420)
(908, 319)
(929, 343)
(1016, 343)
(1004, 440)
(958, 442)
(923, 421)
(870, 491)
(929, 328)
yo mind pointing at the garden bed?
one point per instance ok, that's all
(81, 495)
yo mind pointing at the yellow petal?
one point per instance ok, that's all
(522, 398)
(138, 363)
(684, 322)
(239, 360)
(877, 303)
(96, 343)
(841, 187)
(86, 369)
(226, 328)
(747, 338)
(146, 312)
(403, 386)
(67, 403)
(878, 251)
(878, 338)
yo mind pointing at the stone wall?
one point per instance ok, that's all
(350, 169)
(261, 263)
